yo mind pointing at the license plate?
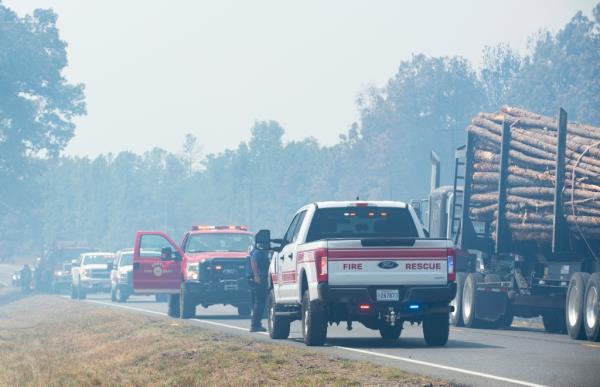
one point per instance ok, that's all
(388, 295)
(231, 286)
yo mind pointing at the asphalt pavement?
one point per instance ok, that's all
(482, 357)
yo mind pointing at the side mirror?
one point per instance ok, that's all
(262, 240)
(110, 266)
(166, 254)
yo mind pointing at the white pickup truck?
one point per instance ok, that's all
(359, 261)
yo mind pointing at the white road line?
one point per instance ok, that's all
(364, 352)
(440, 366)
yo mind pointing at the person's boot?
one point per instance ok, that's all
(258, 328)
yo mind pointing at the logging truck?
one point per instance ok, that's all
(524, 214)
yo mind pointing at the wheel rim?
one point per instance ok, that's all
(573, 313)
(454, 313)
(305, 322)
(467, 299)
(591, 307)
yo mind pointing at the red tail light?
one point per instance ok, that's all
(321, 265)
(451, 265)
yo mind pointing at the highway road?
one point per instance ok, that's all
(516, 356)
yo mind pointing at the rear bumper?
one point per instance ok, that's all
(423, 299)
(220, 292)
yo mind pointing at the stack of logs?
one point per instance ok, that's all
(531, 174)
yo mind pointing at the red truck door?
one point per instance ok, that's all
(156, 263)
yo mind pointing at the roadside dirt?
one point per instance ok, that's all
(49, 341)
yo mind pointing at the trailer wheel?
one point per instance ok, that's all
(574, 307)
(554, 321)
(173, 306)
(389, 332)
(187, 306)
(456, 317)
(278, 326)
(314, 321)
(436, 329)
(591, 316)
(469, 300)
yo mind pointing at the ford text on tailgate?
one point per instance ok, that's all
(359, 261)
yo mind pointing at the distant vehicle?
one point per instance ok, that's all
(91, 274)
(121, 278)
(52, 272)
(210, 267)
(359, 261)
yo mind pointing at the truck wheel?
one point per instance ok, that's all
(456, 318)
(279, 327)
(113, 294)
(187, 304)
(244, 310)
(574, 307)
(121, 295)
(314, 322)
(554, 321)
(469, 300)
(73, 292)
(173, 306)
(80, 292)
(389, 332)
(591, 316)
(436, 329)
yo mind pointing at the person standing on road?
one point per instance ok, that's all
(259, 263)
(25, 279)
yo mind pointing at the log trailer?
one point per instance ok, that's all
(506, 265)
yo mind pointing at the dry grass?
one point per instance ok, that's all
(47, 341)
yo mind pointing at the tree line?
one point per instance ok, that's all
(47, 197)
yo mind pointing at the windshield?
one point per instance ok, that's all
(219, 242)
(362, 222)
(126, 259)
(97, 259)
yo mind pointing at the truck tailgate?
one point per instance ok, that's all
(423, 263)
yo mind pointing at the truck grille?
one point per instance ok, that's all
(223, 269)
(96, 273)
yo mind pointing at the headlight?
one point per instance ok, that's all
(58, 273)
(192, 271)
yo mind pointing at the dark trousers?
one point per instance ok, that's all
(259, 299)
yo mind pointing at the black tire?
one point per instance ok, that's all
(187, 305)
(591, 315)
(436, 329)
(80, 291)
(161, 297)
(505, 321)
(244, 310)
(554, 321)
(113, 294)
(574, 305)
(173, 305)
(389, 332)
(469, 300)
(121, 295)
(73, 292)
(278, 327)
(456, 317)
(314, 321)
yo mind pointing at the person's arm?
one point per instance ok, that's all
(254, 266)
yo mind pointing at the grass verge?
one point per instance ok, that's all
(48, 341)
